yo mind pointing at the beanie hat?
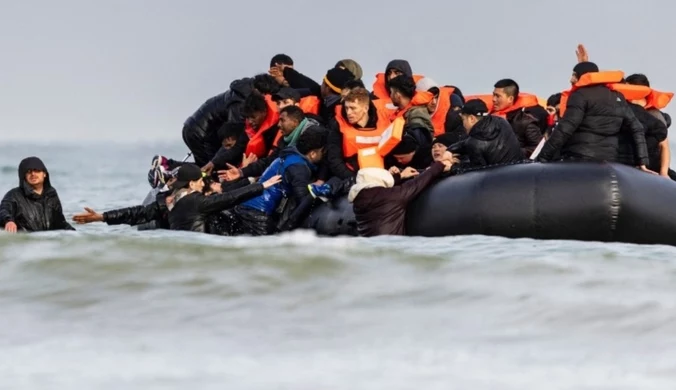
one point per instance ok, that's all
(446, 139)
(456, 101)
(475, 107)
(336, 78)
(425, 84)
(585, 67)
(408, 144)
(352, 66)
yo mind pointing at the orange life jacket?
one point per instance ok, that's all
(310, 104)
(256, 143)
(593, 78)
(443, 106)
(380, 90)
(524, 100)
(658, 100)
(487, 99)
(421, 98)
(385, 105)
(355, 139)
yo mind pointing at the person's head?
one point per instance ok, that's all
(289, 118)
(33, 171)
(505, 93)
(402, 89)
(457, 102)
(211, 186)
(581, 69)
(472, 112)
(281, 59)
(266, 84)
(350, 86)
(286, 97)
(335, 81)
(554, 104)
(255, 110)
(441, 143)
(396, 68)
(637, 79)
(229, 133)
(356, 104)
(405, 150)
(428, 85)
(189, 176)
(352, 66)
(312, 142)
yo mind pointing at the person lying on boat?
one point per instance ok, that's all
(282, 207)
(380, 205)
(34, 205)
(190, 209)
(490, 139)
(592, 119)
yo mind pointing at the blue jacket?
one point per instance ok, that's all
(297, 173)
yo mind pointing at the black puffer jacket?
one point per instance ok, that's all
(527, 129)
(211, 115)
(655, 132)
(590, 127)
(491, 141)
(138, 215)
(191, 212)
(29, 211)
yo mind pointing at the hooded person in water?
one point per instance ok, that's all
(34, 205)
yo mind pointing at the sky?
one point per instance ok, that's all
(132, 71)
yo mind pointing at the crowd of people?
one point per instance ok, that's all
(274, 146)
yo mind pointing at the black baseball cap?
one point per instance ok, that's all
(475, 107)
(286, 93)
(187, 173)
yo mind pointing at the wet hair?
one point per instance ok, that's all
(230, 130)
(254, 103)
(358, 94)
(293, 112)
(281, 59)
(266, 84)
(554, 100)
(403, 84)
(510, 86)
(352, 84)
(638, 79)
(313, 138)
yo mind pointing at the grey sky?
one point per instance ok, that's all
(133, 70)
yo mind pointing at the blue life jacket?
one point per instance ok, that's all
(271, 197)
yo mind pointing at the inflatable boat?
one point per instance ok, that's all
(564, 201)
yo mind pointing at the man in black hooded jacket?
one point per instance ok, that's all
(34, 205)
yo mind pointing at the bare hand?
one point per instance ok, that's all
(10, 227)
(447, 165)
(394, 170)
(409, 172)
(87, 217)
(581, 54)
(208, 168)
(645, 169)
(277, 72)
(230, 174)
(249, 159)
(272, 181)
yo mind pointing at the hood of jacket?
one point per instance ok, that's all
(242, 87)
(401, 65)
(486, 129)
(370, 178)
(27, 164)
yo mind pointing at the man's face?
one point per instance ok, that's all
(438, 150)
(229, 142)
(355, 111)
(432, 106)
(553, 110)
(392, 73)
(468, 121)
(284, 103)
(573, 79)
(286, 124)
(501, 100)
(35, 177)
(257, 119)
(404, 159)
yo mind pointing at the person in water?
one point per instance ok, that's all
(34, 205)
(190, 209)
(490, 140)
(380, 205)
(591, 123)
(284, 206)
(526, 126)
